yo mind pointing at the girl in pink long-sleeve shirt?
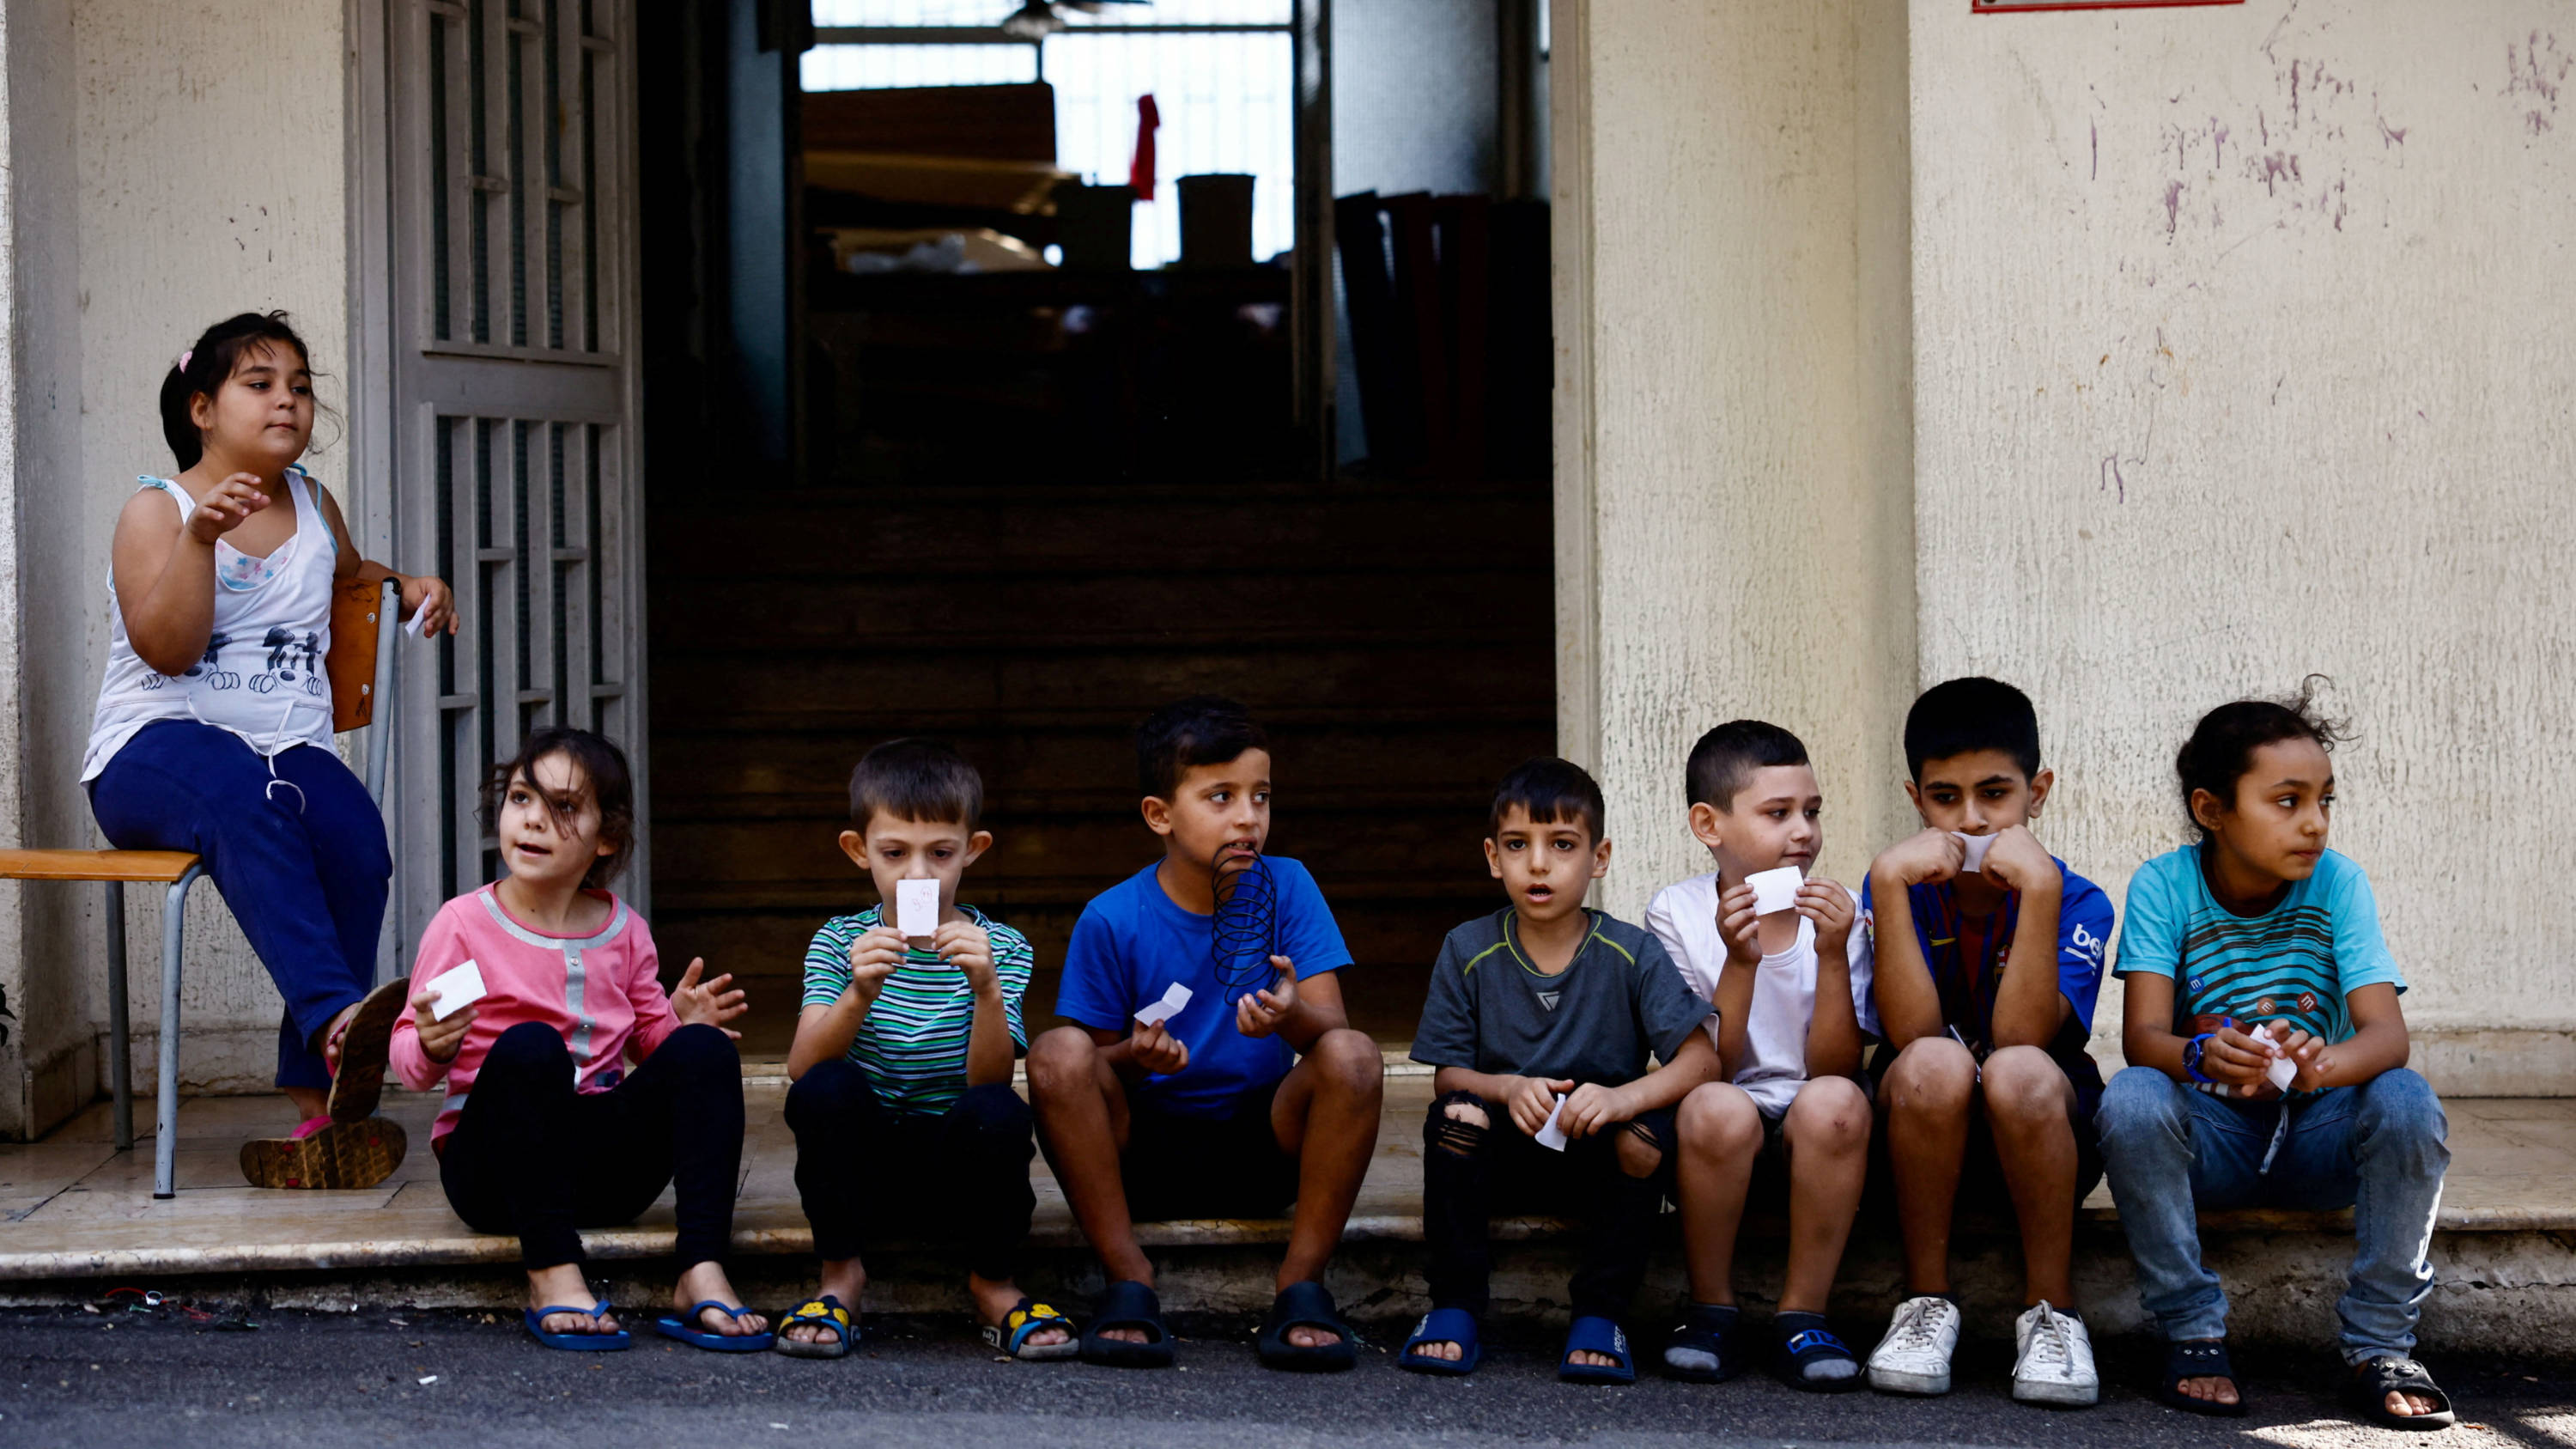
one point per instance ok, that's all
(545, 1128)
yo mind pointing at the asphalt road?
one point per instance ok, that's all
(167, 1376)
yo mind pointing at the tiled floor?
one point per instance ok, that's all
(73, 1206)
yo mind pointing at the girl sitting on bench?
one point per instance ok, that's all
(213, 728)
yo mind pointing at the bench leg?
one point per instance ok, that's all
(120, 1045)
(165, 1145)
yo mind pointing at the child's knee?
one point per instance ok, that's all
(531, 1045)
(2140, 1101)
(995, 1111)
(1933, 1074)
(702, 1051)
(832, 1087)
(1639, 1150)
(2399, 1109)
(2024, 1084)
(1350, 1061)
(1062, 1060)
(1457, 1125)
(1831, 1113)
(1717, 1119)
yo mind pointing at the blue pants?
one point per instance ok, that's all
(304, 870)
(2377, 1148)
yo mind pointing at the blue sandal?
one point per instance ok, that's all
(1596, 1335)
(1443, 1325)
(821, 1311)
(1806, 1342)
(687, 1331)
(535, 1319)
(1024, 1321)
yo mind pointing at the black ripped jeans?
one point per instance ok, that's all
(865, 1170)
(1468, 1172)
(533, 1158)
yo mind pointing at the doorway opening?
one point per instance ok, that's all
(952, 430)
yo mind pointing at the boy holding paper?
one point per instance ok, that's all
(1989, 958)
(1778, 955)
(902, 1105)
(1539, 1025)
(1233, 1096)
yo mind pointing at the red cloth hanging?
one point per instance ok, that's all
(1140, 172)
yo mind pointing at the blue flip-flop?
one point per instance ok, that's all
(1596, 1335)
(686, 1332)
(535, 1319)
(1444, 1325)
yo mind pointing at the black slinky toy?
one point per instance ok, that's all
(1246, 933)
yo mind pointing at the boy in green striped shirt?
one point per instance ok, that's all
(902, 1105)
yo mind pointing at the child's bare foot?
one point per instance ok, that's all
(845, 1280)
(560, 1284)
(995, 1298)
(1449, 1352)
(707, 1282)
(1580, 1358)
(1303, 1336)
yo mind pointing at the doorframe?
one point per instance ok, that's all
(374, 468)
(1570, 245)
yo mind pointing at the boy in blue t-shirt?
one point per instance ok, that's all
(1255, 1094)
(1988, 959)
(2267, 1065)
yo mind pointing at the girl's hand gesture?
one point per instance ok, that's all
(1264, 1012)
(225, 506)
(428, 597)
(439, 1039)
(1736, 923)
(969, 948)
(1830, 907)
(1157, 1050)
(695, 1002)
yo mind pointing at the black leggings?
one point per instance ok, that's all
(1467, 1171)
(863, 1168)
(534, 1158)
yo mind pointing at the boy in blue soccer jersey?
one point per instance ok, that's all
(1985, 984)
(902, 1065)
(1253, 1095)
(2268, 1067)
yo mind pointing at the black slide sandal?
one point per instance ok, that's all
(2200, 1360)
(1127, 1304)
(1305, 1305)
(2371, 1383)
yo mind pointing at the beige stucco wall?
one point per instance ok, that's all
(2244, 349)
(1733, 531)
(207, 153)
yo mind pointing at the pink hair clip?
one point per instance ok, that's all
(183, 358)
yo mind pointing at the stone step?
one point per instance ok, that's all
(75, 1215)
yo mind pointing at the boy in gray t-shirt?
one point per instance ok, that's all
(1540, 1022)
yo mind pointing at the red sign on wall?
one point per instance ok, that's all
(1988, 7)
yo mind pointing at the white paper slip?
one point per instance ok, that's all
(1549, 1134)
(1174, 998)
(2281, 1071)
(456, 990)
(1977, 845)
(412, 625)
(916, 908)
(1775, 890)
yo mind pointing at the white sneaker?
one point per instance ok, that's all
(2053, 1359)
(1914, 1357)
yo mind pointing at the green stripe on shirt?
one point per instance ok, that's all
(912, 1043)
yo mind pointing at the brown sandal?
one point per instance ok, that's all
(363, 1044)
(327, 1154)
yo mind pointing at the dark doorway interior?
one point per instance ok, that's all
(1018, 508)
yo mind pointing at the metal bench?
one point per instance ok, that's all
(360, 668)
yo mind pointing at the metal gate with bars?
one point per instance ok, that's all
(511, 349)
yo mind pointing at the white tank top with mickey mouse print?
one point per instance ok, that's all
(261, 675)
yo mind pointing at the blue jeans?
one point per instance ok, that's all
(2377, 1148)
(304, 870)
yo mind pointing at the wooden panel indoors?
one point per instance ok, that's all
(1395, 639)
